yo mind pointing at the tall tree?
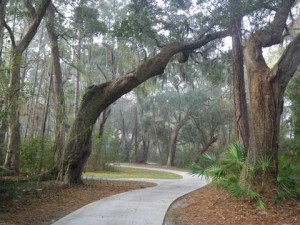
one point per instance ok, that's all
(239, 93)
(2, 95)
(98, 97)
(266, 88)
(58, 86)
(17, 49)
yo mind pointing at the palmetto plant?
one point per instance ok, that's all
(225, 171)
(229, 165)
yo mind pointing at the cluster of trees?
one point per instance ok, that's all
(173, 58)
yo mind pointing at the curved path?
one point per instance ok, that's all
(138, 207)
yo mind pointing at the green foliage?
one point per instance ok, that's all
(225, 172)
(293, 95)
(36, 155)
(3, 171)
(139, 21)
(234, 159)
(289, 170)
(105, 150)
(87, 18)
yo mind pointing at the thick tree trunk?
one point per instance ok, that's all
(58, 88)
(266, 101)
(99, 97)
(267, 87)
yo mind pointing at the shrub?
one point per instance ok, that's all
(36, 155)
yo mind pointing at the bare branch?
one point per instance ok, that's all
(273, 34)
(25, 41)
(30, 9)
(11, 34)
(289, 61)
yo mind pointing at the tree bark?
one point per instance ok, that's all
(99, 97)
(58, 88)
(146, 146)
(126, 145)
(46, 113)
(173, 139)
(136, 134)
(239, 93)
(13, 151)
(205, 148)
(3, 121)
(77, 81)
(267, 86)
(12, 159)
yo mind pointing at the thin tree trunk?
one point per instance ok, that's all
(126, 144)
(204, 149)
(58, 88)
(44, 126)
(146, 146)
(172, 146)
(3, 120)
(77, 82)
(173, 139)
(14, 139)
(136, 133)
(239, 94)
(34, 85)
(12, 160)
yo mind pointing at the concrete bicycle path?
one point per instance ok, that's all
(138, 207)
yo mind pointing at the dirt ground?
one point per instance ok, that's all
(208, 206)
(47, 204)
(213, 206)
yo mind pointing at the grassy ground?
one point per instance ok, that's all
(121, 172)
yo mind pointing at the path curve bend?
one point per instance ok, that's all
(138, 207)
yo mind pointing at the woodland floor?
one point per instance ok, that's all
(50, 201)
(213, 206)
(208, 206)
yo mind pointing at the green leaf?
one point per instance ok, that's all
(261, 204)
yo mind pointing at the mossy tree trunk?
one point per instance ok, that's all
(14, 140)
(266, 89)
(239, 93)
(98, 97)
(58, 88)
(3, 121)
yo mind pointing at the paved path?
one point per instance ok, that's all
(138, 207)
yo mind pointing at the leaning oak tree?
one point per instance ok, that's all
(98, 97)
(266, 88)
